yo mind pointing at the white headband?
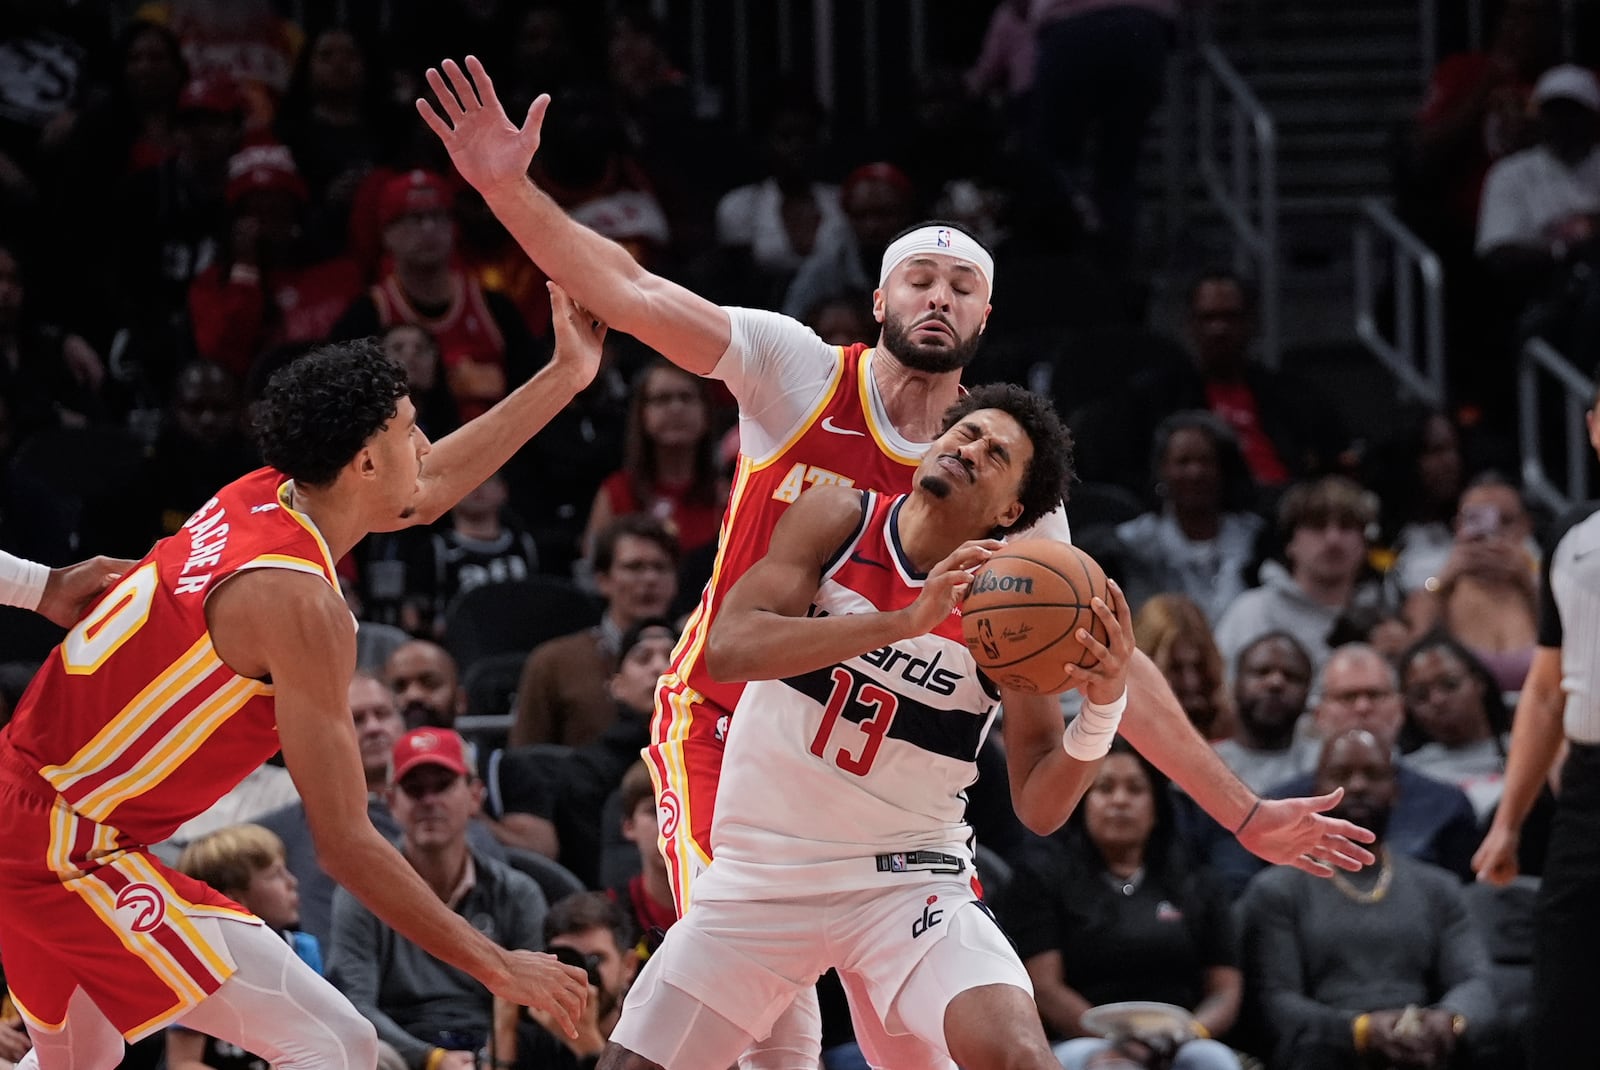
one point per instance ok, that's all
(946, 241)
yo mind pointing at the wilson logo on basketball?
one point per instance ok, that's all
(987, 581)
(144, 905)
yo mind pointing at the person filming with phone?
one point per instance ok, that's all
(1483, 595)
(590, 931)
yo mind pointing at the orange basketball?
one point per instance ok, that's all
(1022, 614)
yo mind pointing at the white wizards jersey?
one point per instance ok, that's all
(846, 777)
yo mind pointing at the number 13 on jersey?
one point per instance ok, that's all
(866, 705)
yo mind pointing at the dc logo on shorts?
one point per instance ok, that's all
(930, 918)
(141, 907)
(668, 808)
(941, 238)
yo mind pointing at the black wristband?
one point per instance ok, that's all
(1248, 817)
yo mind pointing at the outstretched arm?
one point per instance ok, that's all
(493, 154)
(762, 631)
(463, 459)
(296, 630)
(1293, 832)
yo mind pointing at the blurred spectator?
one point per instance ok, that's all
(169, 215)
(647, 896)
(426, 685)
(1004, 66)
(201, 446)
(244, 40)
(266, 288)
(1099, 71)
(586, 928)
(483, 342)
(774, 223)
(1113, 912)
(546, 57)
(33, 524)
(595, 770)
(1432, 821)
(1202, 538)
(1476, 111)
(420, 1005)
(1539, 204)
(843, 319)
(669, 466)
(480, 544)
(14, 1039)
(1325, 524)
(44, 69)
(377, 726)
(338, 125)
(50, 376)
(1381, 968)
(1484, 595)
(414, 349)
(133, 125)
(1284, 431)
(267, 788)
(561, 697)
(1417, 475)
(1457, 726)
(1271, 685)
(246, 864)
(879, 202)
(1173, 631)
(942, 113)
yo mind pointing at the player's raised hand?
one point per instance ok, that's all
(544, 983)
(1299, 833)
(580, 338)
(489, 150)
(1106, 677)
(947, 584)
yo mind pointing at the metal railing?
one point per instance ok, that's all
(1577, 395)
(1246, 191)
(1416, 359)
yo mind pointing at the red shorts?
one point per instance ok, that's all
(687, 739)
(79, 909)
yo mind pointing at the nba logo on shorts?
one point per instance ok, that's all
(941, 238)
(897, 863)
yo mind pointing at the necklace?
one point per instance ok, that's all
(1126, 885)
(1379, 889)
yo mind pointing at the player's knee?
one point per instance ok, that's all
(616, 1057)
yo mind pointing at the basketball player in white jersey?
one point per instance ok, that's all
(933, 303)
(840, 838)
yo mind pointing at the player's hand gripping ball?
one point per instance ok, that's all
(1022, 614)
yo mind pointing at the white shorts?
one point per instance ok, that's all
(746, 960)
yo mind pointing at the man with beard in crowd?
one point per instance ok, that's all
(1380, 968)
(1272, 682)
(426, 685)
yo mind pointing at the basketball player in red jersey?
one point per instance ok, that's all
(225, 643)
(812, 413)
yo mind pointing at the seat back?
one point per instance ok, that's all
(501, 618)
(555, 880)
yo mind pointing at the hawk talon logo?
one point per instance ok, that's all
(146, 904)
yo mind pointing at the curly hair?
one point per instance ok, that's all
(1044, 483)
(318, 411)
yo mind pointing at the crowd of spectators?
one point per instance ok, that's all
(193, 193)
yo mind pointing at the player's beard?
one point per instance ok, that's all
(927, 358)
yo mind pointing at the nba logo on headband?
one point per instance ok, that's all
(945, 241)
(942, 239)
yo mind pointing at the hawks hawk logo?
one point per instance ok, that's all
(141, 907)
(669, 808)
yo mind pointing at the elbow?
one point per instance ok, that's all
(1039, 820)
(721, 661)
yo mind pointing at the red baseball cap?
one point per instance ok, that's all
(431, 746)
(413, 192)
(213, 93)
(264, 167)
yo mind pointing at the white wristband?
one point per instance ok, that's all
(1088, 738)
(21, 582)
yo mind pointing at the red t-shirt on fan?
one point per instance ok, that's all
(1236, 404)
